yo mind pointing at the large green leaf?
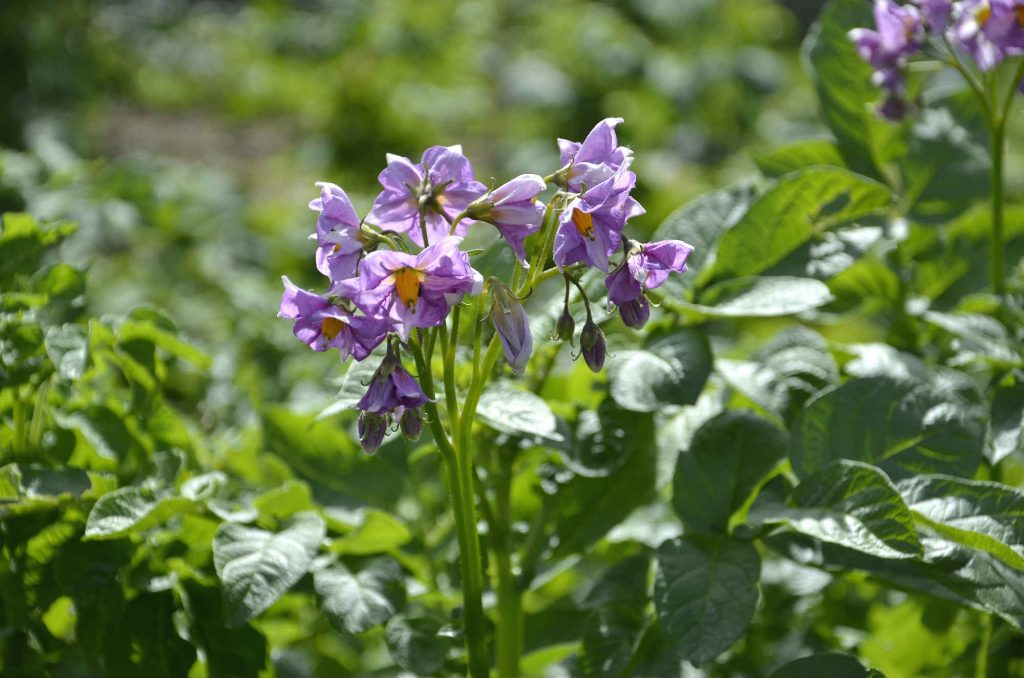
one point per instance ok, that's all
(67, 347)
(901, 426)
(586, 508)
(705, 593)
(825, 666)
(417, 643)
(727, 458)
(256, 566)
(355, 603)
(671, 370)
(777, 162)
(979, 337)
(852, 505)
(1006, 425)
(701, 223)
(845, 94)
(375, 532)
(762, 297)
(983, 515)
(794, 366)
(516, 411)
(130, 510)
(792, 211)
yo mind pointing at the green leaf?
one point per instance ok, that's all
(416, 644)
(982, 515)
(727, 458)
(353, 386)
(377, 532)
(23, 242)
(671, 370)
(852, 505)
(792, 211)
(164, 339)
(586, 508)
(131, 510)
(104, 430)
(825, 666)
(701, 223)
(903, 427)
(1006, 425)
(762, 297)
(67, 347)
(796, 156)
(256, 566)
(240, 652)
(979, 337)
(791, 368)
(845, 93)
(944, 189)
(516, 411)
(355, 603)
(705, 593)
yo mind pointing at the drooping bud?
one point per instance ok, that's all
(411, 424)
(372, 428)
(513, 326)
(565, 328)
(635, 313)
(592, 345)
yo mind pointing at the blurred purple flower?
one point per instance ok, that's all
(372, 428)
(595, 160)
(646, 267)
(413, 290)
(513, 326)
(513, 209)
(392, 388)
(442, 186)
(337, 233)
(936, 14)
(899, 34)
(323, 325)
(989, 30)
(591, 224)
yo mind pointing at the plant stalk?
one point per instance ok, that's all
(510, 622)
(998, 136)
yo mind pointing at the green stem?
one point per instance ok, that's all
(998, 134)
(510, 621)
(550, 226)
(476, 387)
(450, 393)
(464, 510)
(981, 659)
(20, 421)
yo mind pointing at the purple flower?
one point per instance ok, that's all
(413, 290)
(899, 34)
(337, 233)
(514, 210)
(989, 30)
(935, 13)
(646, 267)
(411, 424)
(595, 160)
(590, 227)
(513, 326)
(441, 186)
(323, 325)
(392, 388)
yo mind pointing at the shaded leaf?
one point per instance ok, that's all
(762, 297)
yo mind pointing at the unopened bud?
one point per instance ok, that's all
(513, 326)
(411, 424)
(592, 345)
(635, 313)
(565, 328)
(372, 428)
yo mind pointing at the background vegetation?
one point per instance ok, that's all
(157, 159)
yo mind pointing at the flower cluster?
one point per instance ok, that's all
(987, 30)
(397, 273)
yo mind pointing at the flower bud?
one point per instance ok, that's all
(411, 424)
(592, 345)
(372, 427)
(513, 326)
(635, 313)
(565, 328)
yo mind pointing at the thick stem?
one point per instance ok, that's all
(510, 621)
(998, 136)
(458, 469)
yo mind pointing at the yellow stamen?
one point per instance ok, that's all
(983, 15)
(584, 223)
(330, 327)
(336, 248)
(1020, 15)
(407, 284)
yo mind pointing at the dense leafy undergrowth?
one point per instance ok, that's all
(806, 465)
